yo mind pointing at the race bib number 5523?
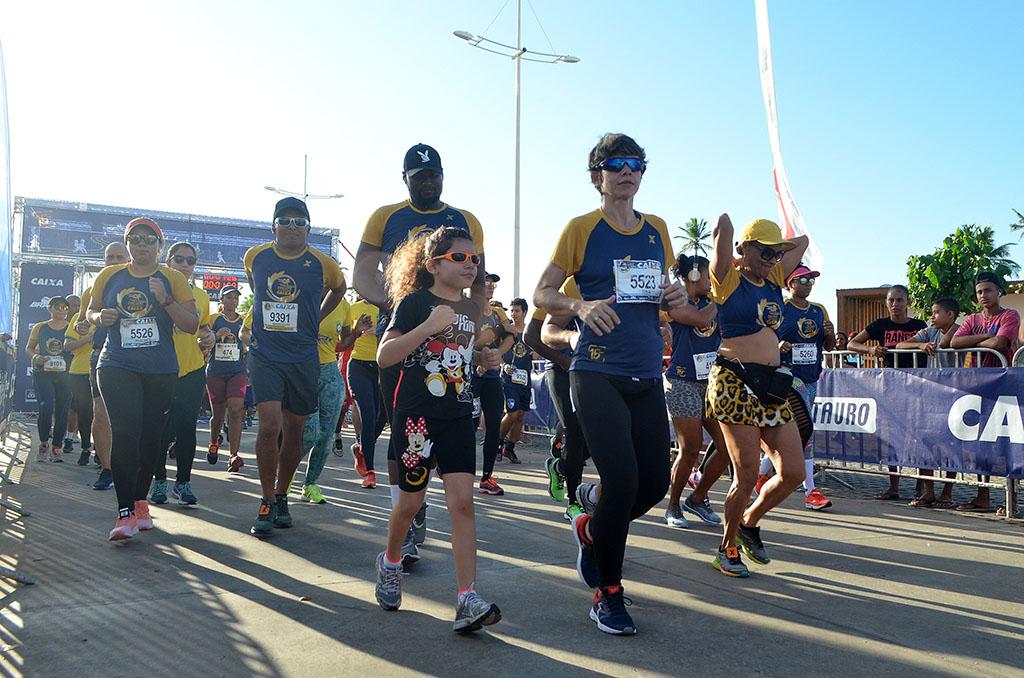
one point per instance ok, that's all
(637, 282)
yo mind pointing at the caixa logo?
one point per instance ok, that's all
(1004, 421)
(845, 415)
(47, 282)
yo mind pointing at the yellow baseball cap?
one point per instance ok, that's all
(765, 232)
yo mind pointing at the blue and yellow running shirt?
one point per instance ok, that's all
(390, 226)
(606, 260)
(520, 357)
(804, 329)
(287, 292)
(693, 348)
(228, 355)
(49, 344)
(490, 325)
(745, 307)
(142, 338)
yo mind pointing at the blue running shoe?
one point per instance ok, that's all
(183, 493)
(158, 494)
(609, 612)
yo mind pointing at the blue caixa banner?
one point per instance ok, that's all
(965, 420)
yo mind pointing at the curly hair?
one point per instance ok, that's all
(407, 272)
(684, 264)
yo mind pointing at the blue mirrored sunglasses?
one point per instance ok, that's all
(616, 164)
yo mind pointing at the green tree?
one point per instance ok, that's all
(246, 305)
(1019, 226)
(949, 271)
(696, 236)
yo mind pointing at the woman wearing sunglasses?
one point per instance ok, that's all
(140, 304)
(619, 258)
(747, 391)
(50, 379)
(190, 347)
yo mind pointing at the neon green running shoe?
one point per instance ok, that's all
(312, 493)
(571, 511)
(556, 483)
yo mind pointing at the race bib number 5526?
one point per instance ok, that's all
(139, 332)
(637, 282)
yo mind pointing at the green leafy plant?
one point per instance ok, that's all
(949, 271)
(245, 306)
(696, 236)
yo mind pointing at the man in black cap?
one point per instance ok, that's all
(294, 287)
(387, 228)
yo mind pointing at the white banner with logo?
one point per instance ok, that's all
(790, 220)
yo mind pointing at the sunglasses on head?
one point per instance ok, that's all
(616, 164)
(183, 259)
(294, 222)
(459, 257)
(143, 239)
(768, 254)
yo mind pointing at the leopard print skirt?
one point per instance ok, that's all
(730, 401)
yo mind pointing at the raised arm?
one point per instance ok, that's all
(722, 247)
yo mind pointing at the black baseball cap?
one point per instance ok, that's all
(290, 204)
(492, 277)
(421, 157)
(990, 277)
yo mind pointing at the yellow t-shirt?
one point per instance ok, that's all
(186, 346)
(330, 328)
(366, 346)
(80, 356)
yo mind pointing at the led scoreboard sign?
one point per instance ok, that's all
(213, 282)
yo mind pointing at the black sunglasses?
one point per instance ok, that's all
(616, 164)
(294, 222)
(143, 239)
(768, 254)
(182, 259)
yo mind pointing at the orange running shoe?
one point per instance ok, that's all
(360, 462)
(816, 501)
(124, 528)
(143, 521)
(490, 486)
(370, 480)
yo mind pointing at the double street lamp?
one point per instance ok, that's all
(517, 53)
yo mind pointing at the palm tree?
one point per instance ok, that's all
(695, 235)
(1019, 226)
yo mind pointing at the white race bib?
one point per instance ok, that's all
(805, 354)
(139, 332)
(227, 352)
(54, 363)
(279, 317)
(520, 377)
(637, 282)
(702, 363)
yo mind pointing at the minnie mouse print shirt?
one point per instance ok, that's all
(436, 376)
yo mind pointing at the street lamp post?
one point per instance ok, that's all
(305, 193)
(517, 53)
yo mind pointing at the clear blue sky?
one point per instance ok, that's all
(899, 120)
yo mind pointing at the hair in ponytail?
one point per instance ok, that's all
(407, 272)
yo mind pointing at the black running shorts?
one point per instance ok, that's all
(294, 385)
(423, 443)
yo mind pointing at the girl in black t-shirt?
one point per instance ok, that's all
(431, 337)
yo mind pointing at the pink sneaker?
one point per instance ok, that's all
(143, 521)
(124, 528)
(43, 452)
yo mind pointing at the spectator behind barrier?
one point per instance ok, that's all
(890, 331)
(994, 327)
(938, 334)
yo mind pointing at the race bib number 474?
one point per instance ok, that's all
(637, 282)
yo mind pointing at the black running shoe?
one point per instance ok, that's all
(282, 517)
(83, 458)
(264, 524)
(609, 612)
(750, 539)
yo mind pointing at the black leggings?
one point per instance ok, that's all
(389, 378)
(492, 407)
(625, 424)
(54, 398)
(574, 449)
(81, 391)
(364, 380)
(138, 405)
(181, 426)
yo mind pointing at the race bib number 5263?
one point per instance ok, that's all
(637, 282)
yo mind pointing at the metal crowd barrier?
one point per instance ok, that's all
(919, 359)
(853, 359)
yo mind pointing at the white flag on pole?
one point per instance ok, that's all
(790, 220)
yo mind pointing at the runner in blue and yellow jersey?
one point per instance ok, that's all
(747, 391)
(139, 305)
(619, 259)
(804, 334)
(45, 348)
(188, 392)
(496, 333)
(363, 378)
(294, 287)
(517, 371)
(79, 344)
(226, 379)
(387, 228)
